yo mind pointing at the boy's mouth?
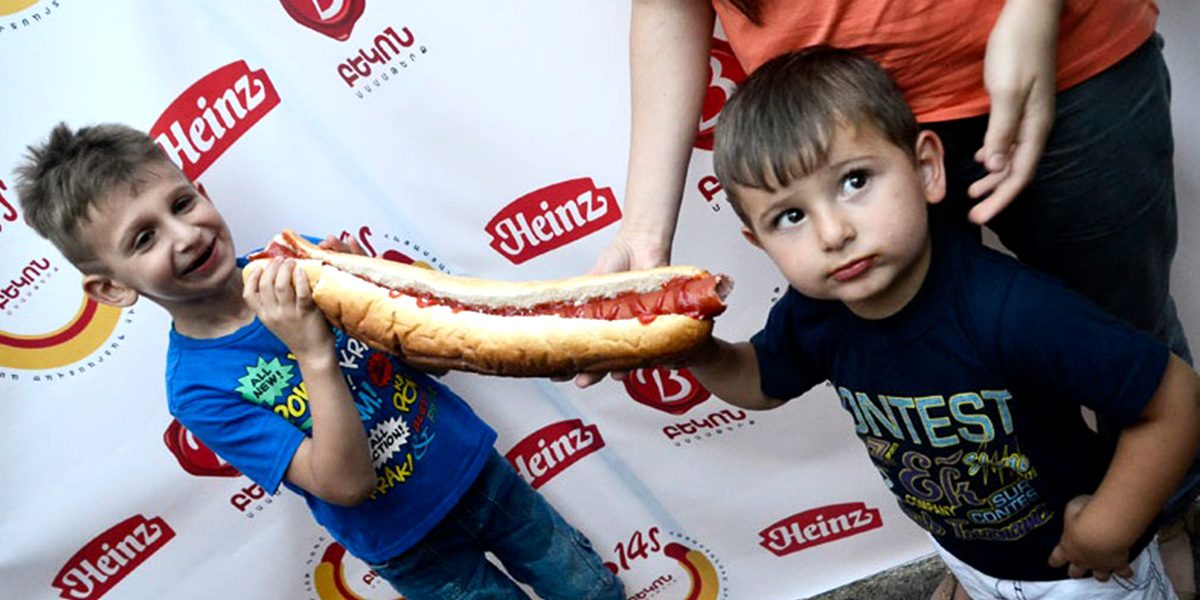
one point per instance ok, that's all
(201, 260)
(852, 269)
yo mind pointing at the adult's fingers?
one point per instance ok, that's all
(1003, 123)
(616, 257)
(998, 196)
(585, 380)
(353, 247)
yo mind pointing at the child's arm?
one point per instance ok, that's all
(730, 372)
(1152, 455)
(335, 463)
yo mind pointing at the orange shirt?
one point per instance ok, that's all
(934, 48)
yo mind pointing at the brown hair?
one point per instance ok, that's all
(779, 123)
(63, 178)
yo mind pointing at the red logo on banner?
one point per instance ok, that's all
(818, 526)
(207, 118)
(425, 260)
(334, 18)
(724, 75)
(668, 390)
(106, 560)
(703, 578)
(193, 455)
(10, 213)
(551, 217)
(551, 449)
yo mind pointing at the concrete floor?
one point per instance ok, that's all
(911, 581)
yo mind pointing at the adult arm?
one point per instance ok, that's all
(1152, 455)
(1019, 73)
(669, 47)
(333, 464)
(669, 44)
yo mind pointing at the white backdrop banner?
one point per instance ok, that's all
(476, 138)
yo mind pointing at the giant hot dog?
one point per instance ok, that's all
(433, 320)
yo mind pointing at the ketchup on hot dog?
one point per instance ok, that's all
(695, 297)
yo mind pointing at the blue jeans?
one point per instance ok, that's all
(1100, 212)
(503, 515)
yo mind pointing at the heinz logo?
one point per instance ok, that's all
(106, 560)
(818, 526)
(553, 448)
(551, 217)
(207, 118)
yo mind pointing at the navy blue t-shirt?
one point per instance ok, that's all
(968, 399)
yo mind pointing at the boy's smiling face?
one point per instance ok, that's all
(855, 229)
(163, 239)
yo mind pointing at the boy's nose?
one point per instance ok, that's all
(185, 235)
(834, 230)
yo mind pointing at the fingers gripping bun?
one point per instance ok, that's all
(521, 329)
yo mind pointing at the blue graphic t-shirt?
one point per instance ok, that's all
(243, 396)
(968, 399)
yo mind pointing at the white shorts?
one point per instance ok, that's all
(1149, 582)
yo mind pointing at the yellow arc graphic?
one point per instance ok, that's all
(8, 7)
(705, 584)
(330, 579)
(81, 336)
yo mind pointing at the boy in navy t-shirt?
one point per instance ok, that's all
(393, 464)
(964, 371)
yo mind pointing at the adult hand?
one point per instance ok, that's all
(1085, 547)
(1019, 74)
(585, 380)
(337, 244)
(628, 252)
(669, 46)
(625, 253)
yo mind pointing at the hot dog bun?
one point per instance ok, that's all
(439, 321)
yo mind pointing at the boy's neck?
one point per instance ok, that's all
(215, 316)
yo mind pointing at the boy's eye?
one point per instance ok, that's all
(854, 181)
(182, 204)
(143, 239)
(789, 218)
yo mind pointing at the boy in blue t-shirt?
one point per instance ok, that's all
(393, 464)
(964, 372)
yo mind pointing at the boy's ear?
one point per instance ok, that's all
(751, 237)
(931, 165)
(108, 291)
